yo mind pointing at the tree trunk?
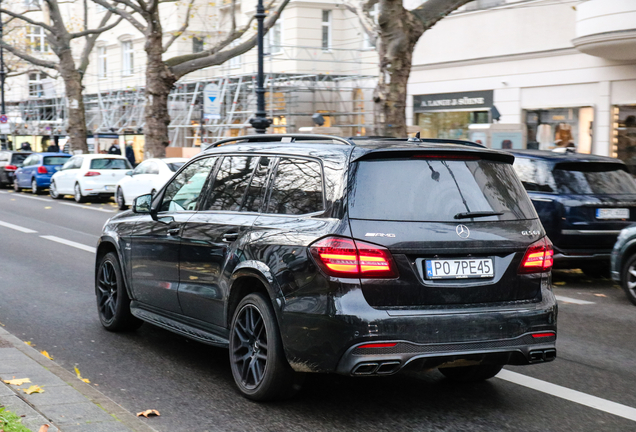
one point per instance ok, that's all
(159, 82)
(399, 32)
(74, 94)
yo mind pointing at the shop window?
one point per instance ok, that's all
(449, 125)
(624, 136)
(279, 125)
(560, 127)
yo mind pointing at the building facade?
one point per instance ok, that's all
(554, 73)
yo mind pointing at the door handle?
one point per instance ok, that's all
(173, 231)
(230, 237)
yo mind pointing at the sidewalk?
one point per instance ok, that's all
(67, 404)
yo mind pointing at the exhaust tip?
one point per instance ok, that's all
(387, 368)
(365, 369)
(550, 354)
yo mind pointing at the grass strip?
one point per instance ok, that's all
(11, 422)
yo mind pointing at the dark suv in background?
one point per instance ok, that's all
(322, 254)
(583, 202)
(10, 161)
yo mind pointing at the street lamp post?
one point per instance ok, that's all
(260, 122)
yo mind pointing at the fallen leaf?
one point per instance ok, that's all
(600, 295)
(33, 389)
(148, 413)
(29, 343)
(17, 382)
(77, 372)
(559, 283)
(44, 428)
(46, 354)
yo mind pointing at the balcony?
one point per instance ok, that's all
(606, 28)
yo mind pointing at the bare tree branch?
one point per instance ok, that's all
(125, 14)
(432, 11)
(24, 56)
(362, 9)
(90, 42)
(97, 31)
(183, 28)
(27, 19)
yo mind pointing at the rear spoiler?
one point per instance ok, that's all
(439, 154)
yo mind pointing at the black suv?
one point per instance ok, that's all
(305, 253)
(10, 161)
(583, 202)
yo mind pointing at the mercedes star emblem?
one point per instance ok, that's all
(462, 231)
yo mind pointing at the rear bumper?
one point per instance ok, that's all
(574, 258)
(323, 334)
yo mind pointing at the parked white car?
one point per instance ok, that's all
(87, 175)
(148, 177)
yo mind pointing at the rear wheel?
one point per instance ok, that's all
(471, 373)
(53, 191)
(258, 362)
(629, 279)
(77, 193)
(15, 185)
(119, 198)
(113, 303)
(34, 187)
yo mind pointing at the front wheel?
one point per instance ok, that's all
(77, 193)
(471, 373)
(629, 279)
(54, 192)
(119, 198)
(113, 303)
(35, 190)
(258, 362)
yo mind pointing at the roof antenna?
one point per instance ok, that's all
(416, 138)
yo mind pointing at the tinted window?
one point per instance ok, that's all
(254, 196)
(231, 182)
(436, 190)
(297, 187)
(174, 166)
(593, 178)
(182, 193)
(17, 158)
(55, 160)
(110, 164)
(534, 175)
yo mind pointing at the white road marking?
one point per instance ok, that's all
(69, 243)
(572, 300)
(569, 394)
(17, 228)
(30, 197)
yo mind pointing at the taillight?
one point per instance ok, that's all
(10, 168)
(538, 257)
(344, 257)
(42, 170)
(92, 174)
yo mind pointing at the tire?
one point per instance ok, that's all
(77, 194)
(53, 192)
(15, 185)
(113, 303)
(257, 359)
(120, 200)
(628, 279)
(35, 190)
(471, 373)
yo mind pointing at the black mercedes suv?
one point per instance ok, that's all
(309, 253)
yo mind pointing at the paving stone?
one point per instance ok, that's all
(75, 414)
(35, 423)
(10, 353)
(56, 396)
(5, 390)
(38, 375)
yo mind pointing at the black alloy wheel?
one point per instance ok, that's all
(77, 193)
(471, 373)
(258, 362)
(34, 187)
(629, 279)
(119, 198)
(113, 303)
(53, 191)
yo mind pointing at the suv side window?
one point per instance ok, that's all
(182, 193)
(534, 175)
(230, 184)
(297, 187)
(256, 190)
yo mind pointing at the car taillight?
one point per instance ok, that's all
(10, 168)
(92, 174)
(538, 257)
(42, 170)
(344, 257)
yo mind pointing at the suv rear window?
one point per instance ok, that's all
(433, 190)
(110, 164)
(55, 160)
(586, 178)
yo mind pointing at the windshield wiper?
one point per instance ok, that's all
(476, 214)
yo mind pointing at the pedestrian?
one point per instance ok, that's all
(130, 155)
(25, 146)
(114, 149)
(10, 145)
(53, 148)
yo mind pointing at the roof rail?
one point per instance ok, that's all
(418, 140)
(283, 138)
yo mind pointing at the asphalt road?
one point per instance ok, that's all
(46, 297)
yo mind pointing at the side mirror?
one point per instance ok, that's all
(129, 172)
(142, 204)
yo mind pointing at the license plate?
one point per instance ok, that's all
(612, 213)
(459, 268)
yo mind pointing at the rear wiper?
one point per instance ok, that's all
(476, 214)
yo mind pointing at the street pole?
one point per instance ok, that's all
(2, 78)
(260, 122)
